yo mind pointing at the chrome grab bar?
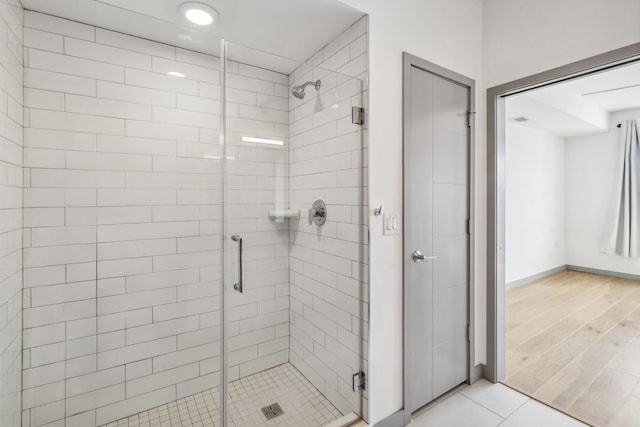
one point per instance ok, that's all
(239, 286)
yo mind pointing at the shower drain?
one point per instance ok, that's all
(272, 411)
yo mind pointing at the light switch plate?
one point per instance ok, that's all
(391, 223)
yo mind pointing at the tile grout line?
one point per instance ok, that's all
(485, 407)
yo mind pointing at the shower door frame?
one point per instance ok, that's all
(223, 232)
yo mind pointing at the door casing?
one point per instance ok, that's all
(495, 368)
(410, 61)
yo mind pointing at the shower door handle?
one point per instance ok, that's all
(239, 286)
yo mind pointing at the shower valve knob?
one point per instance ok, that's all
(318, 213)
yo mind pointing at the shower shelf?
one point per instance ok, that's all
(284, 213)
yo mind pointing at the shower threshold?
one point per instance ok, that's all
(302, 404)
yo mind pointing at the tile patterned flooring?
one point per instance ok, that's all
(573, 342)
(489, 405)
(479, 405)
(302, 403)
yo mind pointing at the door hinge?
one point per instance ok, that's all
(469, 115)
(468, 226)
(357, 115)
(469, 333)
(358, 381)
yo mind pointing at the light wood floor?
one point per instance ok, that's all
(573, 342)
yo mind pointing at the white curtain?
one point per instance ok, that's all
(622, 236)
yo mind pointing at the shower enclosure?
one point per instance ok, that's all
(195, 241)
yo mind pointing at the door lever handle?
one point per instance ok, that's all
(418, 256)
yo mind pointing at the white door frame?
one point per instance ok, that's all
(495, 368)
(410, 61)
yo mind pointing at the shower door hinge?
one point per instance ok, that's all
(468, 226)
(357, 115)
(358, 381)
(469, 333)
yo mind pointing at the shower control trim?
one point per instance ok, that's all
(318, 213)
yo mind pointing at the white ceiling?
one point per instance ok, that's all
(579, 106)
(291, 31)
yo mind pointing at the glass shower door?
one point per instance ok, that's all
(295, 241)
(256, 247)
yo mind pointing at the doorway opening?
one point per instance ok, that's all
(563, 325)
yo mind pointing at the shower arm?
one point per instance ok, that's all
(317, 84)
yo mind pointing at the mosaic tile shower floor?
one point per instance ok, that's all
(302, 403)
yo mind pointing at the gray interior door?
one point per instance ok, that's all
(436, 213)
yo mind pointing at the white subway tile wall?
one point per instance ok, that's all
(327, 160)
(122, 244)
(11, 181)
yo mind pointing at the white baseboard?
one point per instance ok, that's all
(533, 278)
(628, 276)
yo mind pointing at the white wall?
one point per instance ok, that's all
(448, 33)
(11, 181)
(524, 37)
(592, 166)
(535, 201)
(451, 34)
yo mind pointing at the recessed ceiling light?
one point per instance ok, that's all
(199, 13)
(176, 74)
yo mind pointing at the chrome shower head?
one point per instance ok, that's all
(298, 91)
